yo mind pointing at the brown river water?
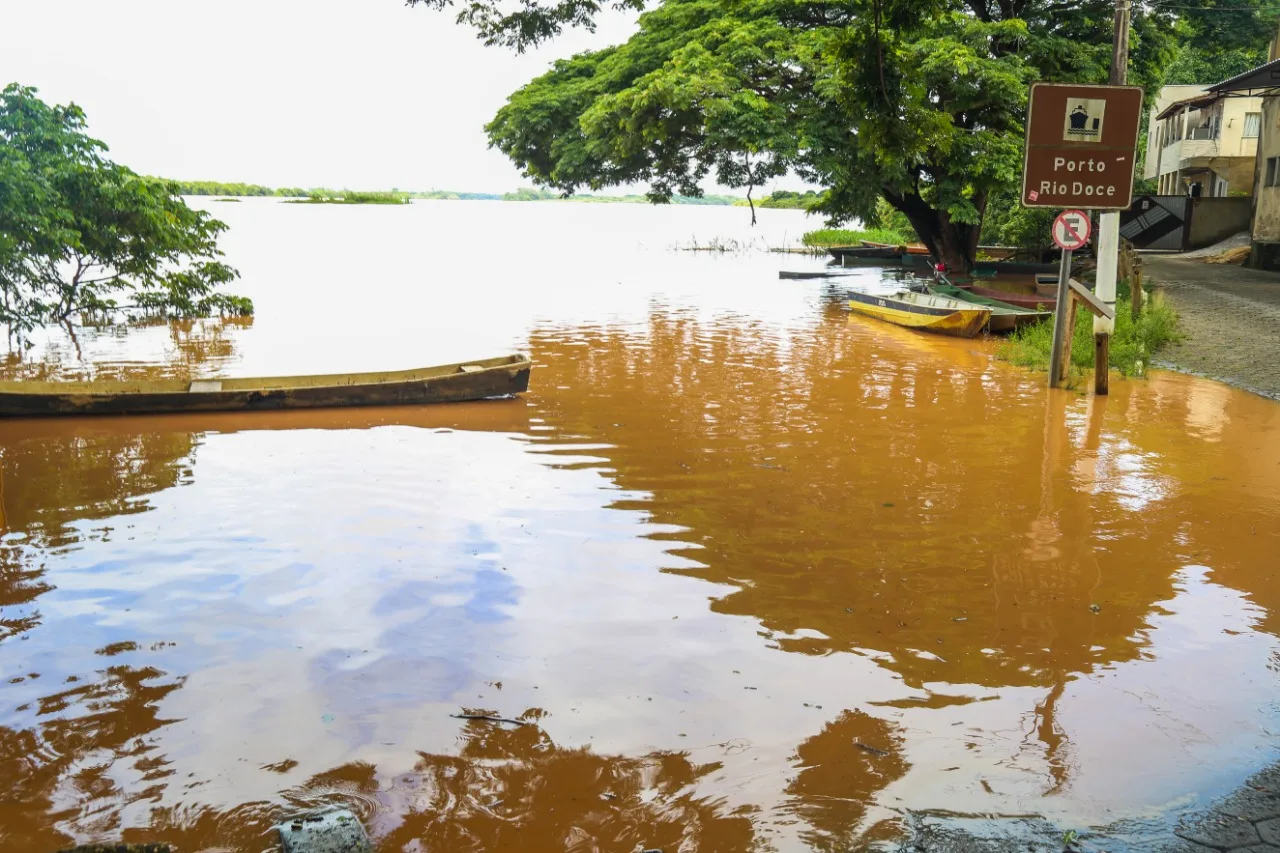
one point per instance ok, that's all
(754, 573)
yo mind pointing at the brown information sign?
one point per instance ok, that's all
(1081, 143)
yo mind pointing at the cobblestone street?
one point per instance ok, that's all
(1231, 318)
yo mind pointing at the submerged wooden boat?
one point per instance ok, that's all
(449, 383)
(805, 274)
(872, 254)
(1005, 317)
(902, 248)
(923, 311)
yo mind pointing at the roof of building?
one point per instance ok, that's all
(1190, 103)
(1263, 79)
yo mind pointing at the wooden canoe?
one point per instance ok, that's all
(1005, 317)
(1022, 300)
(449, 383)
(869, 254)
(805, 274)
(902, 249)
(922, 311)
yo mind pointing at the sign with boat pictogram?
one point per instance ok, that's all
(1081, 144)
(1071, 230)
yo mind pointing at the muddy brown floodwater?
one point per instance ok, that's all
(752, 574)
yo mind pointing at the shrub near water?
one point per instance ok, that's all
(1132, 345)
(827, 237)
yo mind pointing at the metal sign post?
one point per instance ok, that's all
(1071, 231)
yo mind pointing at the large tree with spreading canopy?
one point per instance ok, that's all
(918, 102)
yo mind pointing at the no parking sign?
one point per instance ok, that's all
(1071, 230)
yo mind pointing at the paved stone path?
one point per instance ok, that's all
(1231, 317)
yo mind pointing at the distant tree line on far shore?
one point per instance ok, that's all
(779, 199)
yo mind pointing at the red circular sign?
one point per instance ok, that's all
(1071, 230)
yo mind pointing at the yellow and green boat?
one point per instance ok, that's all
(923, 311)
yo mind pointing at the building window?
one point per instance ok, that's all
(1272, 163)
(1252, 125)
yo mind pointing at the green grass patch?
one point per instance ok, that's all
(1132, 345)
(826, 237)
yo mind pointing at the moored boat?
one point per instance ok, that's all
(1021, 300)
(923, 311)
(1005, 317)
(449, 383)
(803, 274)
(987, 269)
(905, 248)
(869, 254)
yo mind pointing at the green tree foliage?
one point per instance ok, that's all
(77, 230)
(918, 102)
(528, 194)
(228, 189)
(1194, 67)
(788, 200)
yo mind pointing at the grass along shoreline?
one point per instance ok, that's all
(1133, 344)
(825, 238)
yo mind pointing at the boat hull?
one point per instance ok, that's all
(990, 270)
(445, 384)
(868, 255)
(1005, 317)
(1021, 300)
(957, 322)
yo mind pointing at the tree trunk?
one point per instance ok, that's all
(953, 244)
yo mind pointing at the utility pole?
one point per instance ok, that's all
(1109, 222)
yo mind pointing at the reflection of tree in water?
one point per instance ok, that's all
(63, 774)
(193, 348)
(515, 789)
(78, 774)
(49, 486)
(842, 769)
(855, 482)
(50, 483)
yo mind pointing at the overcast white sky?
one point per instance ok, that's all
(363, 94)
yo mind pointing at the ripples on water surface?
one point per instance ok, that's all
(758, 574)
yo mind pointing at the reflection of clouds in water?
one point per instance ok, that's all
(1206, 409)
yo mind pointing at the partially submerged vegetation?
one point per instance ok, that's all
(826, 237)
(323, 195)
(528, 194)
(352, 197)
(84, 237)
(1132, 345)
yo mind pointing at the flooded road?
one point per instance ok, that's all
(751, 573)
